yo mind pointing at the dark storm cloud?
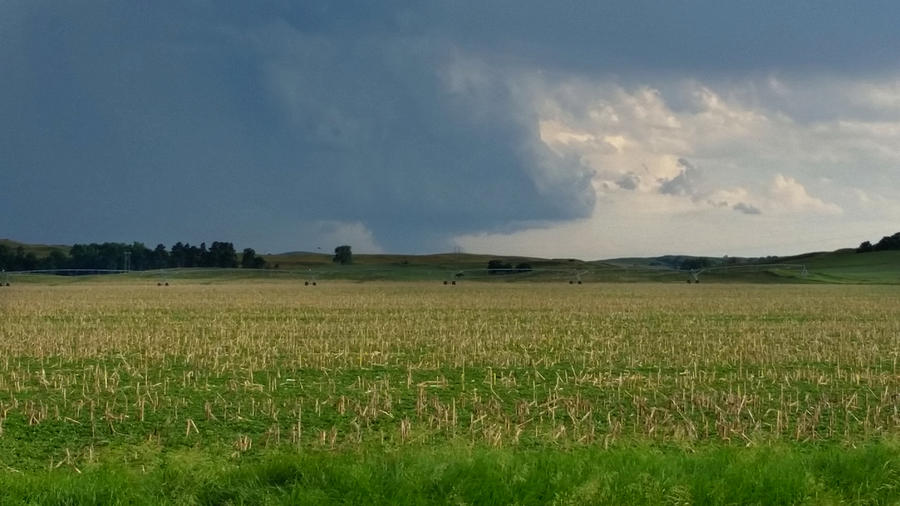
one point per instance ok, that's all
(187, 121)
(692, 35)
(224, 120)
(375, 134)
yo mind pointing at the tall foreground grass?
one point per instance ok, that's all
(869, 474)
(96, 374)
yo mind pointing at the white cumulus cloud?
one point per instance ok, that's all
(694, 167)
(790, 195)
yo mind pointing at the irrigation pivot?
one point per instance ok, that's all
(310, 278)
(577, 279)
(573, 276)
(694, 274)
(68, 272)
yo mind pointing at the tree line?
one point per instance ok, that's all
(498, 266)
(135, 256)
(888, 242)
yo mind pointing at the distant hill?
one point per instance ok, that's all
(848, 266)
(40, 250)
(841, 266)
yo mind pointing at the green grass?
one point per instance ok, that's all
(852, 267)
(220, 389)
(869, 474)
(841, 267)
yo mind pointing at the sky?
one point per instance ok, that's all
(555, 129)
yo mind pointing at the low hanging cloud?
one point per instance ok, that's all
(355, 234)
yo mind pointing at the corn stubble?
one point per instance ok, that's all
(93, 366)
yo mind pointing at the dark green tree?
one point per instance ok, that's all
(159, 257)
(204, 257)
(890, 242)
(343, 255)
(193, 255)
(249, 260)
(85, 256)
(222, 254)
(177, 256)
(6, 258)
(29, 262)
(499, 267)
(55, 260)
(694, 263)
(141, 256)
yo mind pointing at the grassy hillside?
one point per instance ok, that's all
(851, 267)
(443, 266)
(842, 266)
(40, 250)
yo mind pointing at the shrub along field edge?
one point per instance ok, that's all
(639, 474)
